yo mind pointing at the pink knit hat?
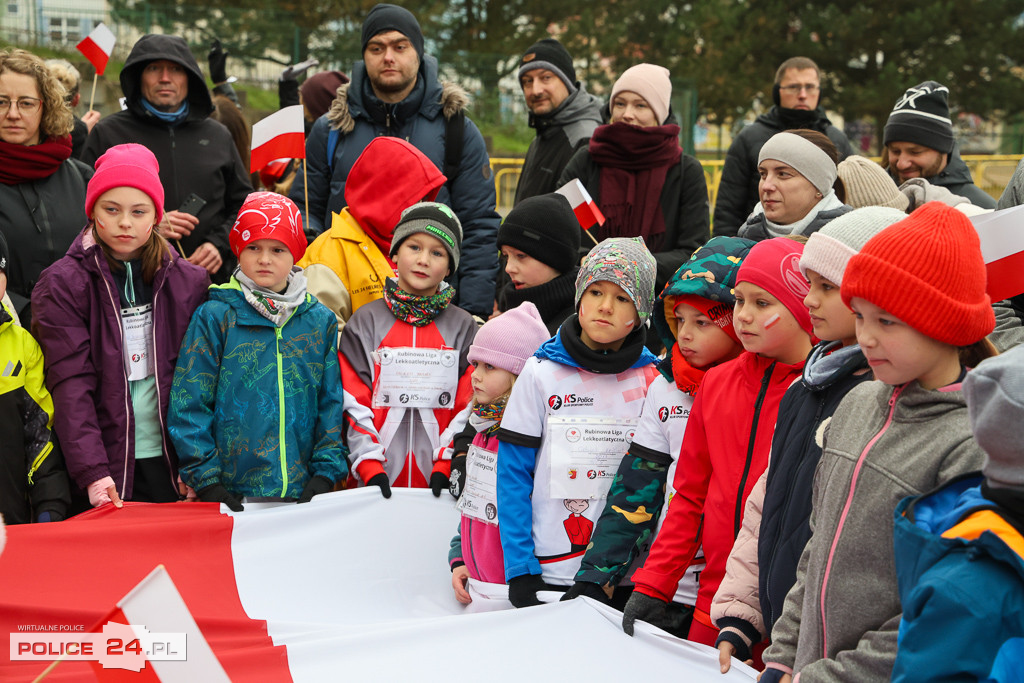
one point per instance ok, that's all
(128, 165)
(507, 341)
(268, 216)
(774, 266)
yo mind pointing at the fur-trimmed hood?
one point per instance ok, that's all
(435, 97)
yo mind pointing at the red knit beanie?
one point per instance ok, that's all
(774, 266)
(928, 271)
(127, 165)
(268, 216)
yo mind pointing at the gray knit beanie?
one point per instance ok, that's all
(804, 156)
(434, 219)
(868, 184)
(995, 405)
(829, 250)
(626, 262)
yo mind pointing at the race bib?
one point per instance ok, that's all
(137, 325)
(415, 378)
(479, 498)
(585, 454)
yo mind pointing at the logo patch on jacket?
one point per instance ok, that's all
(665, 412)
(569, 401)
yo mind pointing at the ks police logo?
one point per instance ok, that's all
(555, 402)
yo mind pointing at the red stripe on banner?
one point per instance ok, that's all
(95, 54)
(283, 146)
(70, 574)
(1005, 277)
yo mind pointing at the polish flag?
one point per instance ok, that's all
(349, 584)
(280, 135)
(97, 47)
(1002, 246)
(583, 206)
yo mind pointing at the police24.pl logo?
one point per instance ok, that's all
(665, 412)
(569, 401)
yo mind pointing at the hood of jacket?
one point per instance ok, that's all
(430, 98)
(579, 106)
(390, 176)
(150, 48)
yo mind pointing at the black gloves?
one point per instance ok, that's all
(381, 480)
(218, 61)
(438, 483)
(644, 608)
(522, 590)
(216, 493)
(457, 479)
(315, 487)
(587, 588)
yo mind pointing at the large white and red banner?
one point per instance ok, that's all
(1002, 245)
(348, 586)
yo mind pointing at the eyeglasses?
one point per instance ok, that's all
(26, 105)
(795, 89)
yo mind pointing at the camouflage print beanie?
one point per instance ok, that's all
(709, 274)
(626, 262)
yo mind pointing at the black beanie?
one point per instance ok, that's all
(549, 54)
(545, 228)
(384, 17)
(921, 116)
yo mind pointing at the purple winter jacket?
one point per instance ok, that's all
(76, 318)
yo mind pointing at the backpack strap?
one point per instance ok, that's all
(454, 138)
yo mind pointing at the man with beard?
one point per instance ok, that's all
(797, 93)
(395, 91)
(919, 144)
(563, 113)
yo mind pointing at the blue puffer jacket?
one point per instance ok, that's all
(960, 566)
(421, 120)
(242, 385)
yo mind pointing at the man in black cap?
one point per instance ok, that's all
(395, 91)
(919, 143)
(561, 110)
(797, 94)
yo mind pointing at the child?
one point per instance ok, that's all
(570, 418)
(960, 550)
(257, 403)
(403, 358)
(346, 266)
(918, 291)
(498, 354)
(540, 238)
(110, 317)
(694, 318)
(33, 480)
(762, 565)
(728, 436)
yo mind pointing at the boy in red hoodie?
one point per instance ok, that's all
(728, 436)
(347, 265)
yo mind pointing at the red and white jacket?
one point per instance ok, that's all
(403, 442)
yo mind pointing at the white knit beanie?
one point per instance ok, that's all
(650, 82)
(829, 250)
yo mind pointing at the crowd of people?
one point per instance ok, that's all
(791, 440)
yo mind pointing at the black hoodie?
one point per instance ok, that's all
(197, 155)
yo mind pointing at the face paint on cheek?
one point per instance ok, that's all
(772, 321)
(629, 324)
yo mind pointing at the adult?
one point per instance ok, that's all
(638, 175)
(919, 143)
(70, 78)
(395, 91)
(562, 112)
(797, 97)
(42, 189)
(799, 187)
(168, 111)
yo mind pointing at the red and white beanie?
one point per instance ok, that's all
(268, 216)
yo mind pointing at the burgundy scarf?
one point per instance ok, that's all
(633, 163)
(23, 163)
